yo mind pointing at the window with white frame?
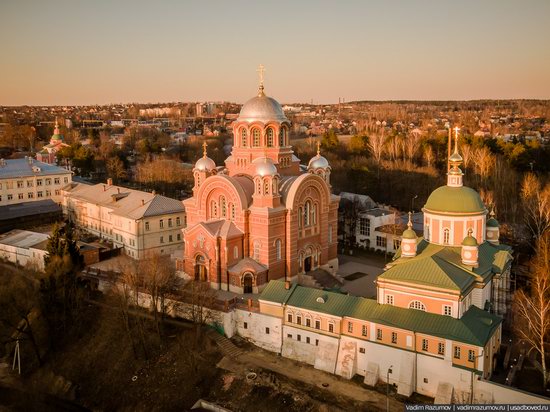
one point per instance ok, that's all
(441, 348)
(364, 330)
(350, 327)
(416, 304)
(331, 327)
(270, 135)
(394, 337)
(457, 352)
(389, 299)
(317, 324)
(446, 236)
(381, 241)
(425, 345)
(448, 310)
(256, 137)
(364, 226)
(235, 252)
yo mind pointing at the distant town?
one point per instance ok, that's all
(388, 251)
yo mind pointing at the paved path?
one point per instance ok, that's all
(363, 286)
(258, 358)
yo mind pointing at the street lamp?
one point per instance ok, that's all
(388, 388)
(412, 203)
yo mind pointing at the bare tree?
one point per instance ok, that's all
(484, 162)
(412, 144)
(116, 169)
(199, 298)
(533, 308)
(20, 309)
(159, 278)
(536, 204)
(467, 153)
(429, 155)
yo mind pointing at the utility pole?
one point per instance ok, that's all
(17, 357)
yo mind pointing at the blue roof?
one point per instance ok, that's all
(14, 168)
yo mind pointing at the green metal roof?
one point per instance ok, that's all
(441, 266)
(492, 222)
(449, 199)
(409, 234)
(475, 327)
(276, 292)
(469, 241)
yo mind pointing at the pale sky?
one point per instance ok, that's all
(96, 52)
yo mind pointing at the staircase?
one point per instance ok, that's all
(226, 346)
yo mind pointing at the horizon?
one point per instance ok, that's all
(67, 53)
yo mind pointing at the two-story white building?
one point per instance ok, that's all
(140, 222)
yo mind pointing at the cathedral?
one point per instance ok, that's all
(262, 216)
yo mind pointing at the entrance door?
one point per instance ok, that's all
(201, 273)
(247, 283)
(307, 264)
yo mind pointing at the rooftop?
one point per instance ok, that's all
(475, 327)
(23, 238)
(130, 203)
(14, 168)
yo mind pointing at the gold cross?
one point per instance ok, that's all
(261, 70)
(318, 148)
(204, 145)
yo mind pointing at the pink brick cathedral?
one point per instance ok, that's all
(261, 216)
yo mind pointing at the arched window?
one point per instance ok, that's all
(307, 214)
(266, 186)
(257, 246)
(278, 248)
(232, 212)
(243, 137)
(300, 215)
(213, 209)
(258, 186)
(223, 206)
(282, 133)
(314, 215)
(274, 183)
(329, 234)
(236, 252)
(446, 236)
(256, 137)
(416, 304)
(270, 135)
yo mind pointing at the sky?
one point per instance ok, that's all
(76, 52)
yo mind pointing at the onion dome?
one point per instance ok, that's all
(262, 108)
(205, 163)
(56, 132)
(469, 240)
(409, 233)
(265, 167)
(318, 161)
(492, 222)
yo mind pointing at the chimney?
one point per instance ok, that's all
(104, 188)
(154, 192)
(109, 182)
(142, 202)
(287, 285)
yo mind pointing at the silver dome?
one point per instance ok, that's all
(265, 167)
(262, 108)
(318, 162)
(205, 163)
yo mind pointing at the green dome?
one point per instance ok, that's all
(469, 241)
(450, 199)
(409, 234)
(57, 137)
(492, 222)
